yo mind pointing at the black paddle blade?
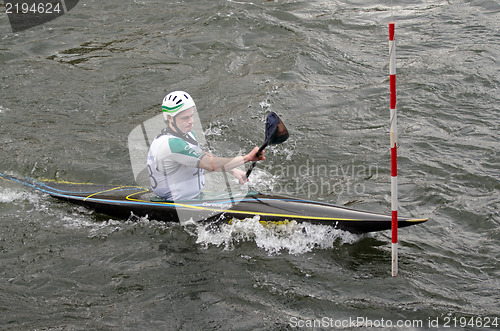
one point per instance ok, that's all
(276, 132)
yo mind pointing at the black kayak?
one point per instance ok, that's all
(123, 201)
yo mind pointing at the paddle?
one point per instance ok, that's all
(276, 133)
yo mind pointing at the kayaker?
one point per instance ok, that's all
(176, 163)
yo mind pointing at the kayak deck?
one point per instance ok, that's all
(120, 201)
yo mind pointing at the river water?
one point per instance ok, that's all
(74, 88)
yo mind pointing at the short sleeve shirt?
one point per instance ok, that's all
(173, 167)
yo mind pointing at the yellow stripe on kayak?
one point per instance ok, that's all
(63, 182)
(109, 190)
(129, 198)
(247, 212)
(418, 220)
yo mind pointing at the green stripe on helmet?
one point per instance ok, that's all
(173, 109)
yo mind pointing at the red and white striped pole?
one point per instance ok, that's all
(394, 153)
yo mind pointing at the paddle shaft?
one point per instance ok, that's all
(254, 163)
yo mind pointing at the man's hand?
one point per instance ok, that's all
(252, 156)
(239, 175)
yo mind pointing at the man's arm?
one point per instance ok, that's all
(212, 163)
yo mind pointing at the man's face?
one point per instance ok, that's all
(185, 120)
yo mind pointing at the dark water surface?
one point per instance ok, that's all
(73, 89)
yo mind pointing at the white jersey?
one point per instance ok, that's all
(173, 167)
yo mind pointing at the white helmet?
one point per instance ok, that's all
(175, 103)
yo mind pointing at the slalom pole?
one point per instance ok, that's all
(394, 153)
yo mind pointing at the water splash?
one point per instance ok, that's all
(8, 195)
(79, 220)
(215, 129)
(273, 237)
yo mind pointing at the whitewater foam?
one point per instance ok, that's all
(275, 238)
(8, 195)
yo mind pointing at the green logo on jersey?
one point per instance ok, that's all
(179, 146)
